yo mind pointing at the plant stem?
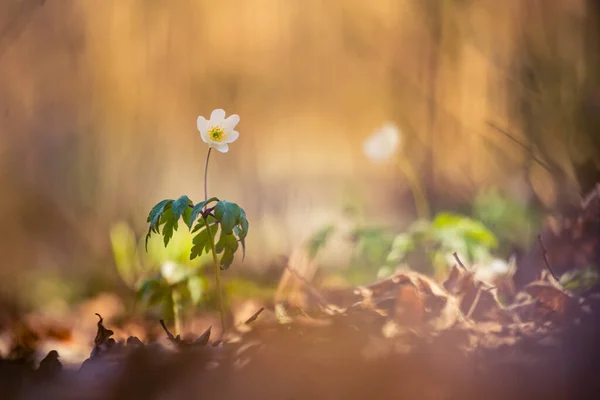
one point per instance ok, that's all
(415, 187)
(206, 176)
(213, 249)
(176, 299)
(217, 275)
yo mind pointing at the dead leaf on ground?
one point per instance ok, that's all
(552, 302)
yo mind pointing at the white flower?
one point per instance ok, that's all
(491, 271)
(219, 131)
(383, 143)
(171, 272)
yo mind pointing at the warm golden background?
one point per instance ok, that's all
(98, 102)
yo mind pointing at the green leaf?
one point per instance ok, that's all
(155, 216)
(227, 240)
(157, 211)
(179, 206)
(187, 214)
(170, 225)
(228, 215)
(242, 231)
(198, 209)
(227, 244)
(201, 242)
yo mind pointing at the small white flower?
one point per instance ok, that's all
(219, 131)
(383, 143)
(171, 272)
(492, 270)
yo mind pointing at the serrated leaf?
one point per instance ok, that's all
(227, 244)
(187, 217)
(198, 208)
(179, 206)
(228, 214)
(157, 211)
(155, 216)
(201, 242)
(170, 225)
(226, 240)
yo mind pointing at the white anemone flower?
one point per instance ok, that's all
(383, 143)
(492, 271)
(219, 131)
(171, 272)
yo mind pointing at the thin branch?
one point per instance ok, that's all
(254, 316)
(475, 302)
(169, 334)
(525, 147)
(545, 255)
(458, 261)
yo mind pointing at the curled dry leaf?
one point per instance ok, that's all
(103, 341)
(551, 302)
(412, 299)
(50, 366)
(476, 300)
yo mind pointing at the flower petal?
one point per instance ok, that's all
(222, 147)
(217, 116)
(202, 125)
(230, 123)
(232, 137)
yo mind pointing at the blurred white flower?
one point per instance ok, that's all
(171, 272)
(490, 272)
(218, 131)
(383, 143)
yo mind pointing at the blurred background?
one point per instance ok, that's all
(98, 103)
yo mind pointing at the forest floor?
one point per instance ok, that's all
(406, 337)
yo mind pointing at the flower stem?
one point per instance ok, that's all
(176, 299)
(217, 275)
(415, 187)
(206, 175)
(213, 249)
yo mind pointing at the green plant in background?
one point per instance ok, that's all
(580, 280)
(161, 275)
(210, 218)
(318, 240)
(513, 221)
(372, 247)
(427, 245)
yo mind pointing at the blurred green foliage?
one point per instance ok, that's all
(318, 240)
(514, 222)
(161, 276)
(428, 245)
(580, 280)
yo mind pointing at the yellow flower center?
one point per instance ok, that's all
(216, 133)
